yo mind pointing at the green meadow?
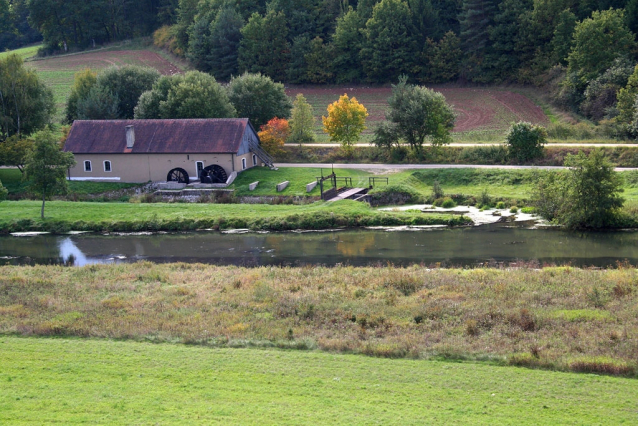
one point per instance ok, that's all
(69, 381)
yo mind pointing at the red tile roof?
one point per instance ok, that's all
(191, 136)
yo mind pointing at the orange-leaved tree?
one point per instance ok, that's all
(345, 121)
(273, 135)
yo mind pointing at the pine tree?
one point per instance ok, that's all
(388, 51)
(225, 36)
(264, 47)
(475, 19)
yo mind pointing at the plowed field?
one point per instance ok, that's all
(477, 109)
(58, 72)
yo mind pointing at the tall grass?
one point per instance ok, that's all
(559, 318)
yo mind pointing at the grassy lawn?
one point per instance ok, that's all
(24, 53)
(12, 180)
(63, 216)
(516, 184)
(68, 381)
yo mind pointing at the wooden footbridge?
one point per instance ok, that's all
(331, 191)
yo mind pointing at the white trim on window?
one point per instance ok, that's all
(243, 164)
(254, 160)
(87, 166)
(108, 169)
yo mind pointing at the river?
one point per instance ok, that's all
(474, 246)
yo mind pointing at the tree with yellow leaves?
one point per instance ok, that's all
(345, 121)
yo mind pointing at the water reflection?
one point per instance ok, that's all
(457, 247)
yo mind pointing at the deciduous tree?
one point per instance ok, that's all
(273, 135)
(588, 196)
(14, 151)
(259, 98)
(26, 103)
(416, 113)
(192, 95)
(597, 42)
(627, 98)
(83, 82)
(127, 84)
(525, 141)
(345, 121)
(46, 166)
(302, 121)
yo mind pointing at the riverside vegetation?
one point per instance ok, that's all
(557, 318)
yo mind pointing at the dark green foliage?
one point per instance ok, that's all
(80, 24)
(387, 50)
(318, 62)
(264, 47)
(225, 36)
(3, 192)
(475, 19)
(127, 84)
(444, 59)
(347, 42)
(525, 141)
(26, 103)
(598, 41)
(192, 95)
(564, 36)
(258, 98)
(600, 95)
(296, 72)
(98, 104)
(588, 196)
(15, 30)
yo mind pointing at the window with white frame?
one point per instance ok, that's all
(243, 164)
(107, 166)
(87, 166)
(254, 160)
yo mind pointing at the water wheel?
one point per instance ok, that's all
(178, 175)
(213, 174)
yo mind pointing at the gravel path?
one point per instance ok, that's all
(424, 166)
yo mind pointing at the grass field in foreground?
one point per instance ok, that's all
(87, 381)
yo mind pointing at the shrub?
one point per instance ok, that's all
(437, 191)
(514, 209)
(3, 192)
(525, 141)
(500, 205)
(528, 210)
(448, 203)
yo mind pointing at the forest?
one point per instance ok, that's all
(583, 52)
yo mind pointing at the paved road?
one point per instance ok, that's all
(548, 145)
(423, 166)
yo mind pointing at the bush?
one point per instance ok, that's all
(437, 191)
(588, 196)
(500, 205)
(526, 141)
(448, 203)
(514, 209)
(3, 192)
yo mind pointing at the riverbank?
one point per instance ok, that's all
(64, 216)
(556, 318)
